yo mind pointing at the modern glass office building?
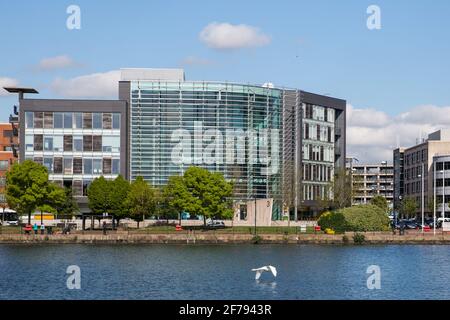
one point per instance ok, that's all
(231, 128)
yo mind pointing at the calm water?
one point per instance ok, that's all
(223, 272)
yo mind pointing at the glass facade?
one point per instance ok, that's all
(318, 150)
(75, 147)
(233, 129)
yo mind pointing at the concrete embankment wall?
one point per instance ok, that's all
(211, 238)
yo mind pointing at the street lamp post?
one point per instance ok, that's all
(434, 198)
(422, 197)
(443, 194)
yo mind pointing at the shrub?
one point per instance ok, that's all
(365, 218)
(358, 218)
(359, 238)
(332, 220)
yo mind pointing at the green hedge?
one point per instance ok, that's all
(358, 218)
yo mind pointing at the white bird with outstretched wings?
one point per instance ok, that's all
(259, 271)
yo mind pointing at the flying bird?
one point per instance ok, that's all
(259, 271)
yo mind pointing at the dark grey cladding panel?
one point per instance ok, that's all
(124, 90)
(325, 101)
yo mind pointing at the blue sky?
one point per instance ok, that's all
(319, 46)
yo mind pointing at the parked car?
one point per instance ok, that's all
(215, 224)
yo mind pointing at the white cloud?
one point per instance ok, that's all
(372, 134)
(195, 61)
(55, 63)
(225, 36)
(7, 82)
(96, 85)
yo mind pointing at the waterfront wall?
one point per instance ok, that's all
(223, 238)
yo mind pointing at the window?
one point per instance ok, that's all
(29, 141)
(39, 120)
(116, 121)
(77, 165)
(78, 120)
(87, 143)
(97, 143)
(97, 121)
(68, 120)
(111, 144)
(48, 143)
(38, 160)
(4, 164)
(87, 120)
(58, 143)
(67, 165)
(107, 121)
(57, 165)
(68, 142)
(38, 140)
(97, 166)
(78, 143)
(87, 166)
(48, 163)
(115, 166)
(107, 165)
(29, 121)
(57, 120)
(48, 120)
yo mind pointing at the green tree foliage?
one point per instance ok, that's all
(408, 207)
(141, 200)
(99, 196)
(163, 208)
(69, 207)
(356, 218)
(202, 193)
(28, 189)
(380, 202)
(119, 193)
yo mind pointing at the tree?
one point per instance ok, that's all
(119, 192)
(341, 188)
(380, 202)
(163, 208)
(28, 189)
(408, 207)
(140, 200)
(99, 196)
(202, 193)
(69, 206)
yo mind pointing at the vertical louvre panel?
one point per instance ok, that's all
(97, 143)
(107, 165)
(38, 142)
(48, 120)
(107, 121)
(77, 165)
(87, 143)
(77, 188)
(87, 120)
(68, 143)
(57, 165)
(38, 120)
